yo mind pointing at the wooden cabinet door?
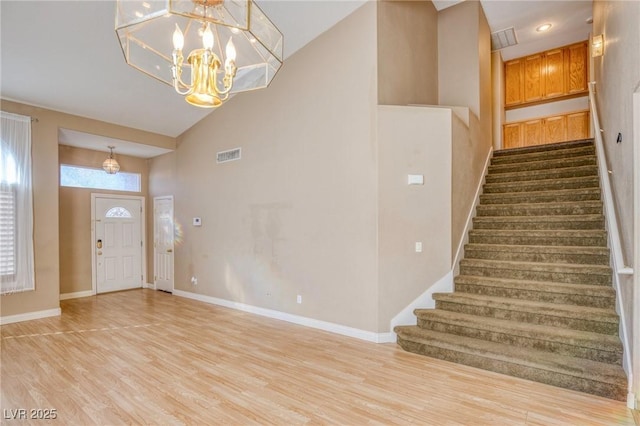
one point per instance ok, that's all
(578, 125)
(532, 133)
(513, 82)
(533, 81)
(512, 135)
(576, 63)
(554, 76)
(555, 129)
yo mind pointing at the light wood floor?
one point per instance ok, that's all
(145, 357)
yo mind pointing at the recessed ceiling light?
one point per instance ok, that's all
(544, 27)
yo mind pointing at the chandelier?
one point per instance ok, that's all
(110, 165)
(233, 46)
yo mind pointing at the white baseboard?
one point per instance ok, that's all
(369, 336)
(632, 402)
(28, 316)
(152, 286)
(77, 294)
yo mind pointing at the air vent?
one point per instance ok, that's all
(231, 155)
(503, 38)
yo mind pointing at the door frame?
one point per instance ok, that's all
(173, 222)
(143, 237)
(634, 400)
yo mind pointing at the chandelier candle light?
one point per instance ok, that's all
(153, 35)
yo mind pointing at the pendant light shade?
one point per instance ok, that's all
(110, 165)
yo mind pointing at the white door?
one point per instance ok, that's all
(163, 232)
(118, 243)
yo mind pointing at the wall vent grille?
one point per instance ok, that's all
(503, 38)
(230, 155)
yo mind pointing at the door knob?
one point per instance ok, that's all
(169, 250)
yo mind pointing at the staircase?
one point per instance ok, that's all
(534, 297)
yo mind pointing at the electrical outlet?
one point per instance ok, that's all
(194, 281)
(299, 299)
(418, 247)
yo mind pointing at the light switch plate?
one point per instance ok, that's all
(415, 179)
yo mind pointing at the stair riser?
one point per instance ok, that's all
(542, 174)
(547, 276)
(540, 156)
(524, 240)
(537, 186)
(539, 209)
(523, 341)
(547, 148)
(539, 296)
(502, 222)
(583, 324)
(531, 198)
(563, 258)
(589, 160)
(568, 382)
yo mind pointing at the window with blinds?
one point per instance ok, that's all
(7, 233)
(17, 261)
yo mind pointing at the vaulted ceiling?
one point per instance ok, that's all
(64, 55)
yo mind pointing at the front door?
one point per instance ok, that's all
(163, 231)
(118, 243)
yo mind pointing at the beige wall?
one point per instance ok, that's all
(497, 84)
(46, 197)
(458, 56)
(75, 216)
(464, 75)
(617, 75)
(412, 140)
(407, 52)
(297, 214)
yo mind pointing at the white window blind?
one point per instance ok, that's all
(16, 205)
(7, 234)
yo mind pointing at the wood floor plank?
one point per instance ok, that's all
(145, 357)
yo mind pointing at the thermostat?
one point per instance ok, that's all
(197, 221)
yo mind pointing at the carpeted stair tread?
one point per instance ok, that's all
(541, 209)
(544, 164)
(541, 253)
(542, 185)
(559, 222)
(533, 175)
(562, 195)
(540, 155)
(597, 296)
(527, 306)
(541, 237)
(584, 339)
(538, 271)
(544, 148)
(569, 372)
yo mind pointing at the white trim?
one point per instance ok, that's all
(152, 286)
(613, 232)
(77, 294)
(424, 301)
(469, 225)
(634, 379)
(30, 316)
(143, 237)
(369, 336)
